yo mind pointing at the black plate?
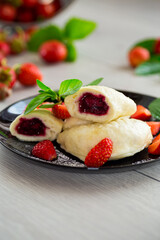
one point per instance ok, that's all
(65, 159)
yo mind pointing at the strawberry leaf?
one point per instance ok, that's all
(47, 105)
(44, 34)
(149, 67)
(154, 108)
(42, 86)
(69, 87)
(147, 43)
(95, 82)
(77, 28)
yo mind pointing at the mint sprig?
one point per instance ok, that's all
(154, 108)
(67, 87)
(74, 29)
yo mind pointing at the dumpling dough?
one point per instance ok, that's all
(129, 136)
(71, 122)
(119, 105)
(53, 126)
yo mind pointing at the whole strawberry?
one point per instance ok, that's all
(99, 154)
(44, 150)
(29, 3)
(45, 10)
(5, 48)
(18, 42)
(7, 12)
(4, 91)
(7, 76)
(53, 51)
(28, 73)
(60, 111)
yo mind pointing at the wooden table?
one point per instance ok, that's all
(37, 202)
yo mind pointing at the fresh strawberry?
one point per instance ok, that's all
(29, 3)
(5, 48)
(28, 73)
(45, 10)
(53, 51)
(60, 111)
(2, 59)
(44, 103)
(7, 12)
(18, 42)
(99, 154)
(25, 15)
(7, 76)
(138, 55)
(4, 91)
(44, 150)
(155, 127)
(154, 148)
(142, 113)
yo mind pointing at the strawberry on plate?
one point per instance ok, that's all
(28, 73)
(154, 148)
(45, 150)
(155, 127)
(99, 154)
(60, 111)
(142, 113)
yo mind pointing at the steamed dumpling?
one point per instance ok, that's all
(71, 122)
(36, 126)
(129, 136)
(99, 104)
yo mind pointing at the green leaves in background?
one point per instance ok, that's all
(148, 44)
(95, 82)
(44, 34)
(77, 28)
(151, 66)
(154, 108)
(72, 52)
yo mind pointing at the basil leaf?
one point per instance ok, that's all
(44, 34)
(149, 67)
(72, 53)
(35, 102)
(95, 82)
(69, 87)
(78, 28)
(47, 105)
(147, 43)
(154, 108)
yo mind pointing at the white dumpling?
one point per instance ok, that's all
(129, 136)
(99, 104)
(36, 126)
(71, 122)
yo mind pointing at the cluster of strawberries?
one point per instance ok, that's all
(137, 55)
(27, 10)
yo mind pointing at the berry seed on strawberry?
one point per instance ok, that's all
(60, 111)
(28, 73)
(45, 150)
(99, 154)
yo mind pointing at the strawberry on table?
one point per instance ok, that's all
(28, 73)
(154, 148)
(5, 48)
(5, 91)
(7, 76)
(155, 127)
(99, 154)
(45, 150)
(60, 111)
(142, 113)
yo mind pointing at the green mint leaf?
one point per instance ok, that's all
(41, 91)
(35, 102)
(42, 86)
(47, 105)
(147, 68)
(154, 108)
(42, 35)
(72, 53)
(69, 87)
(147, 43)
(3, 134)
(95, 82)
(77, 28)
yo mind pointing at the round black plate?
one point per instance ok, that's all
(65, 159)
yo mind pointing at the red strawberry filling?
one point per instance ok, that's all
(93, 104)
(31, 127)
